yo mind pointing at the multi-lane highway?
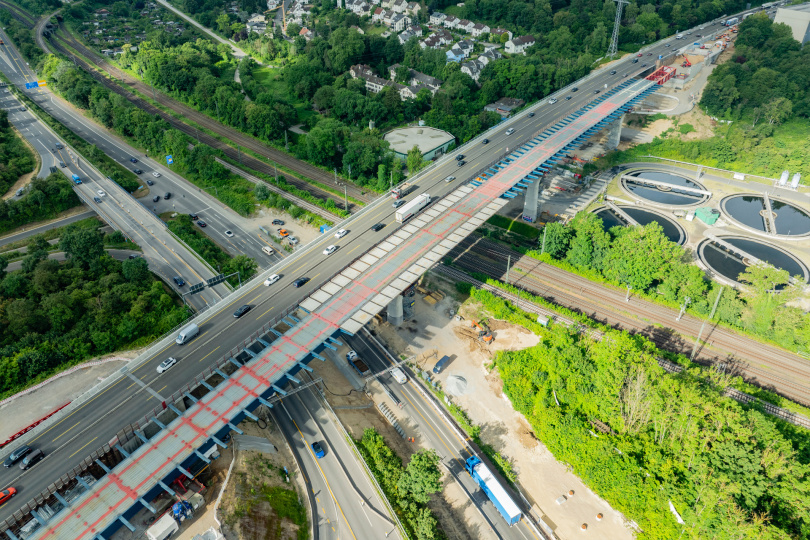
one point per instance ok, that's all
(98, 419)
(29, 128)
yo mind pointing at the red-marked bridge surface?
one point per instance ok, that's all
(348, 300)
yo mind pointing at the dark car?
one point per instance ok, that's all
(397, 203)
(300, 282)
(377, 227)
(317, 449)
(643, 65)
(201, 223)
(574, 89)
(17, 455)
(635, 60)
(167, 195)
(134, 256)
(462, 163)
(485, 141)
(31, 459)
(133, 160)
(194, 217)
(156, 198)
(62, 164)
(98, 201)
(649, 54)
(137, 171)
(459, 157)
(150, 183)
(59, 146)
(567, 98)
(241, 311)
(596, 91)
(613, 72)
(278, 222)
(179, 281)
(531, 114)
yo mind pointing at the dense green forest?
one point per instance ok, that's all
(15, 158)
(644, 259)
(44, 199)
(764, 91)
(55, 315)
(640, 437)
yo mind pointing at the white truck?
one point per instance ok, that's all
(163, 528)
(410, 209)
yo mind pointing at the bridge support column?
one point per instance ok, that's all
(614, 135)
(530, 200)
(395, 314)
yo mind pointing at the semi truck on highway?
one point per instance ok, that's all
(400, 191)
(494, 490)
(410, 209)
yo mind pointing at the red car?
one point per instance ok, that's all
(7, 494)
(639, 55)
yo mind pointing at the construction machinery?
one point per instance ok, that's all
(484, 333)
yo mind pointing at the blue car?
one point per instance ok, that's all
(318, 450)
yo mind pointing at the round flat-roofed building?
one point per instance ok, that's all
(432, 142)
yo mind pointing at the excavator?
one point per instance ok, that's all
(484, 333)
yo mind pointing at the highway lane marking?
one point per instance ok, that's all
(266, 312)
(323, 475)
(68, 429)
(209, 354)
(82, 448)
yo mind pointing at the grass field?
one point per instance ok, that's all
(271, 80)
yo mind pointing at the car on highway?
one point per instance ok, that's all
(300, 282)
(640, 55)
(59, 146)
(531, 114)
(156, 198)
(17, 455)
(7, 494)
(625, 75)
(649, 54)
(156, 174)
(596, 91)
(567, 98)
(241, 311)
(202, 224)
(459, 157)
(278, 222)
(32, 459)
(341, 233)
(272, 279)
(400, 202)
(167, 195)
(552, 101)
(229, 234)
(329, 250)
(461, 163)
(22, 109)
(510, 131)
(574, 89)
(351, 355)
(150, 183)
(449, 178)
(97, 200)
(179, 281)
(193, 216)
(485, 141)
(133, 160)
(667, 45)
(101, 193)
(317, 449)
(643, 65)
(613, 72)
(399, 375)
(62, 164)
(377, 227)
(137, 171)
(166, 364)
(134, 256)
(635, 60)
(283, 232)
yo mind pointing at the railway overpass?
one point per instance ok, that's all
(136, 464)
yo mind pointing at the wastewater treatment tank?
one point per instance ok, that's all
(730, 264)
(752, 211)
(672, 230)
(664, 188)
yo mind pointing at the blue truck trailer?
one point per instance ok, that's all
(494, 490)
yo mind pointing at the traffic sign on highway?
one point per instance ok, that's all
(30, 85)
(196, 288)
(42, 83)
(216, 279)
(169, 160)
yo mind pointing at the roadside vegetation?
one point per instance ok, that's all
(408, 488)
(15, 158)
(53, 315)
(44, 198)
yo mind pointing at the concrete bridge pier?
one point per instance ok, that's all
(614, 135)
(395, 314)
(530, 201)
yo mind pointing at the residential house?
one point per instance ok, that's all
(416, 30)
(519, 45)
(360, 71)
(465, 25)
(377, 16)
(306, 33)
(257, 23)
(101, 13)
(489, 55)
(445, 37)
(466, 46)
(376, 84)
(437, 18)
(357, 29)
(473, 68)
(417, 78)
(450, 21)
(479, 29)
(400, 6)
(431, 42)
(413, 8)
(399, 22)
(387, 4)
(406, 36)
(504, 106)
(455, 54)
(498, 32)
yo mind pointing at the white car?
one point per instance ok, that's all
(166, 364)
(329, 250)
(449, 178)
(101, 193)
(272, 279)
(552, 101)
(229, 234)
(156, 174)
(341, 233)
(510, 131)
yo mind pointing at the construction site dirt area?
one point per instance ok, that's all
(478, 390)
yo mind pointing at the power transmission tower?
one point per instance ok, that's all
(614, 39)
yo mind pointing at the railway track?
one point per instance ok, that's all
(758, 363)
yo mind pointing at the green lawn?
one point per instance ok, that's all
(375, 29)
(270, 79)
